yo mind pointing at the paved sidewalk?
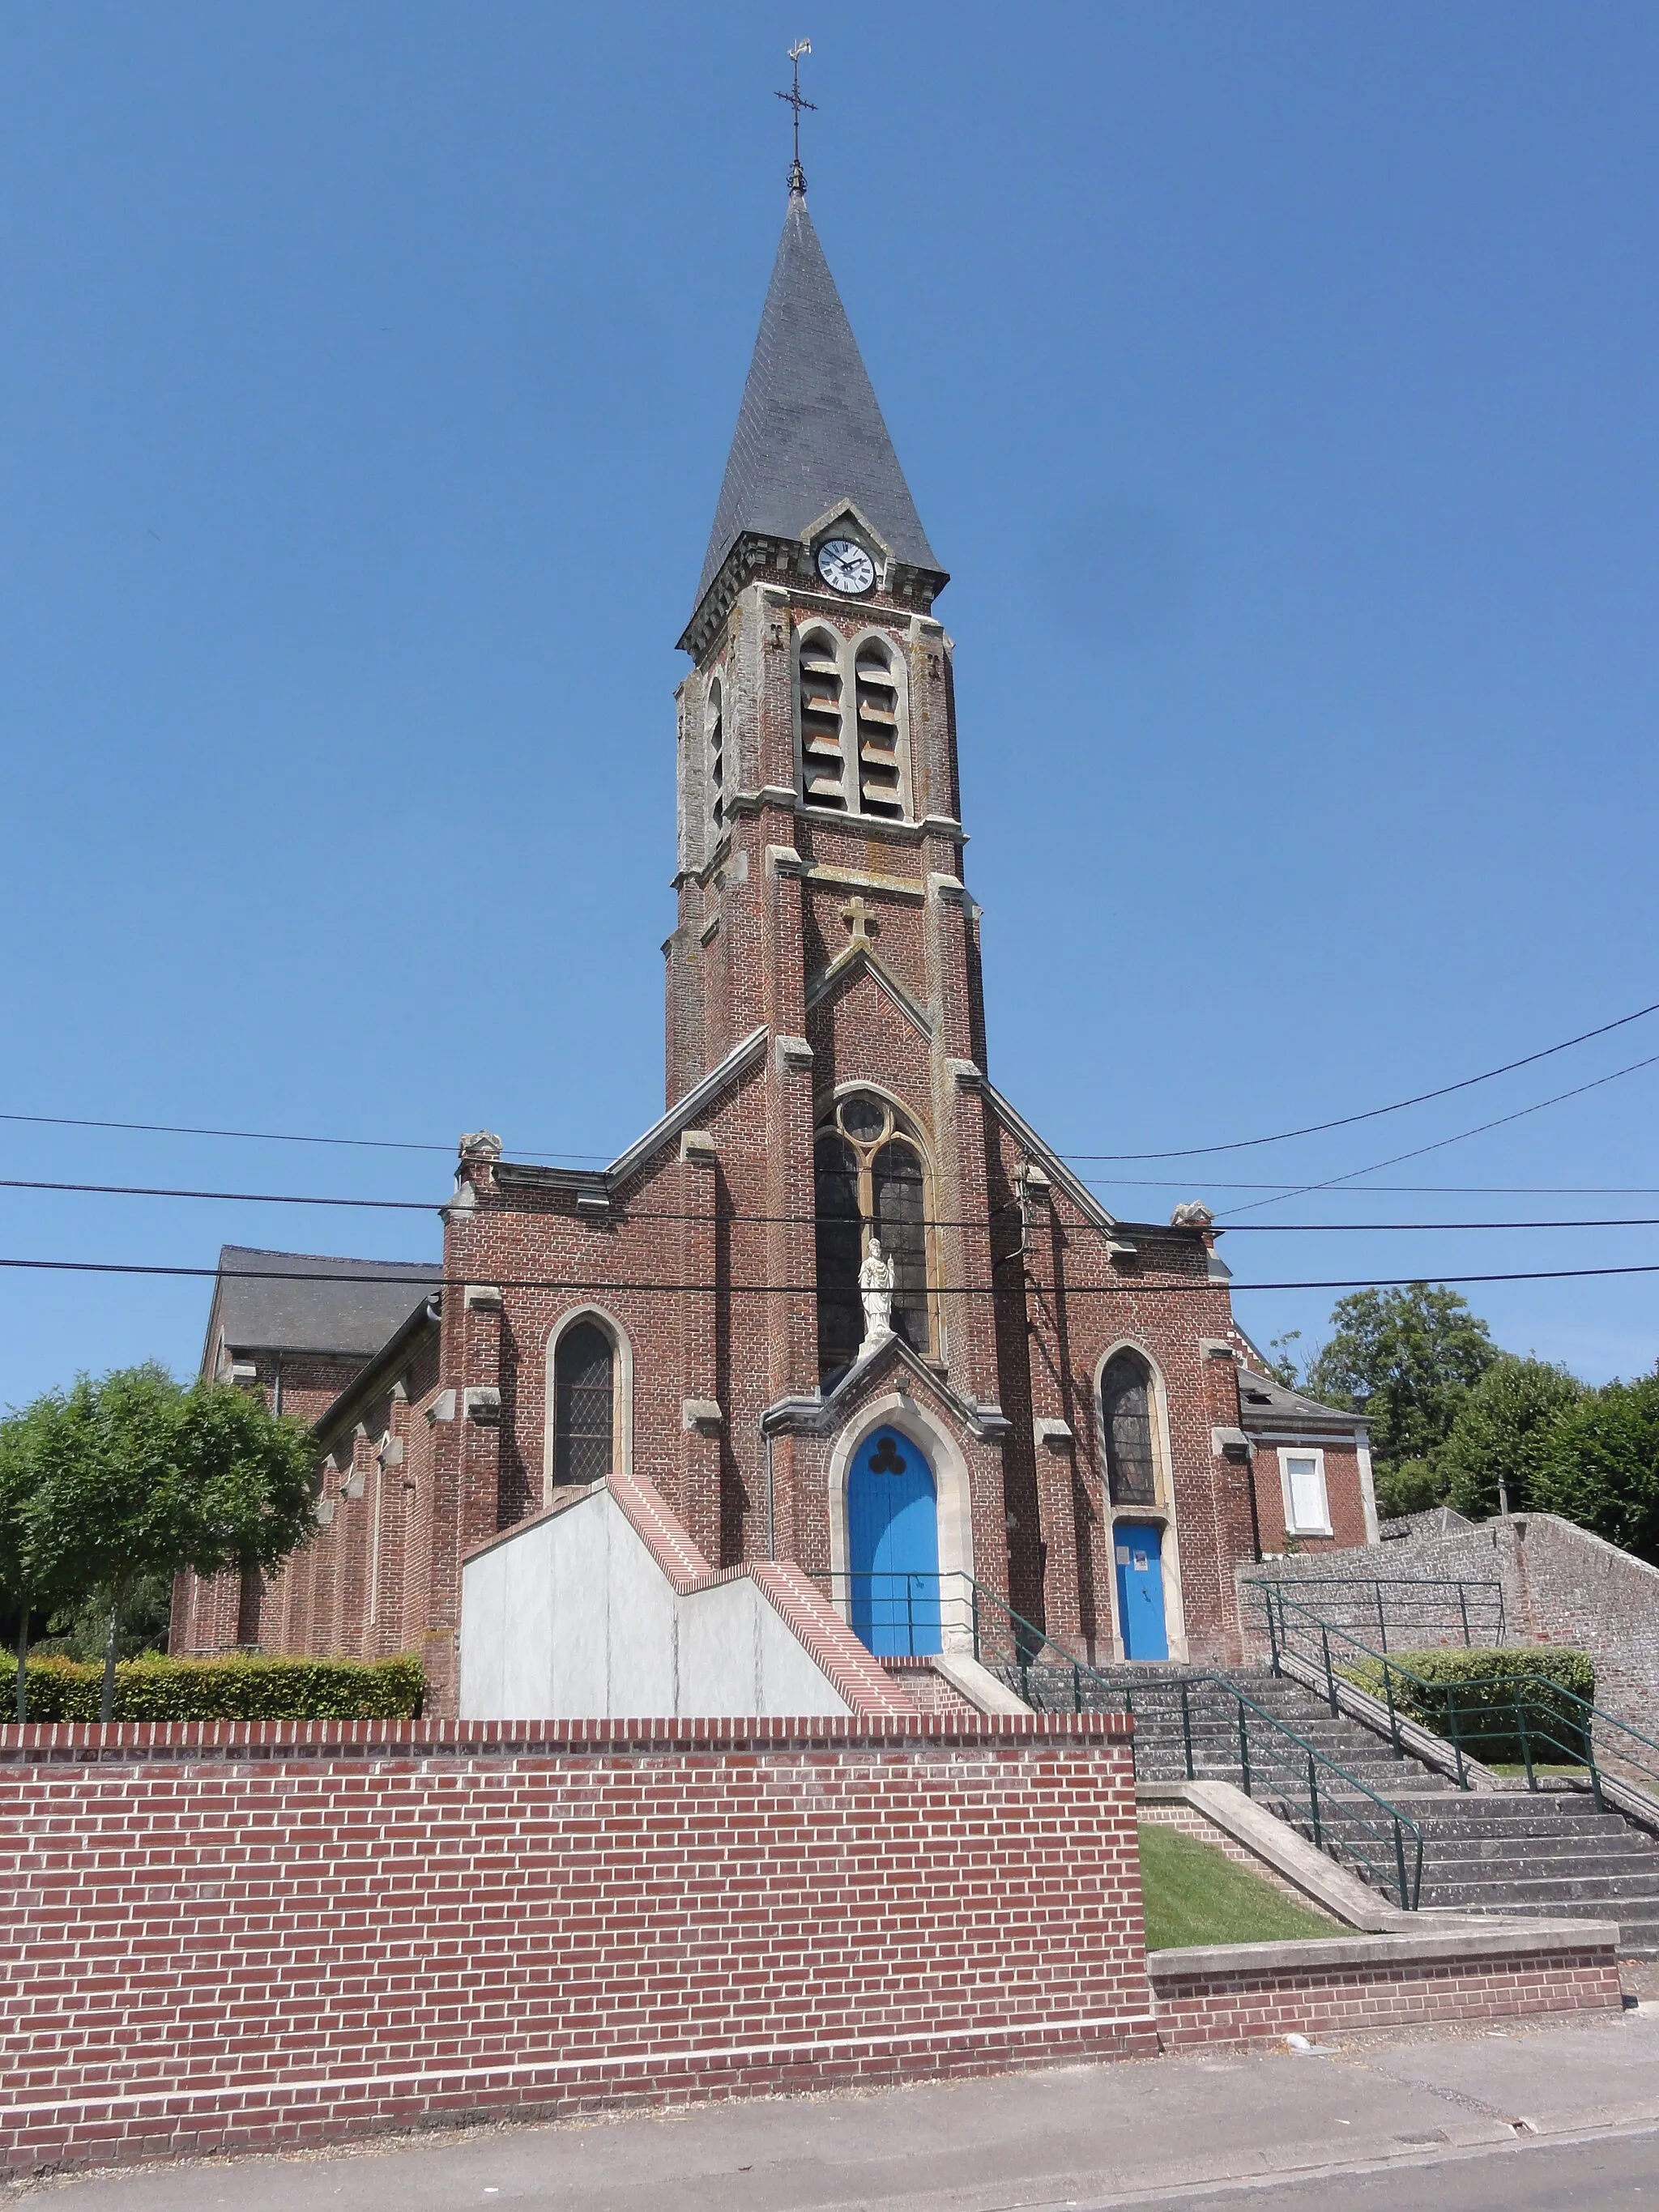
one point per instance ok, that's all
(1465, 2110)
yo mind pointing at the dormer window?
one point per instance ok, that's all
(850, 712)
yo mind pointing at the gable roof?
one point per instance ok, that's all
(351, 1311)
(809, 431)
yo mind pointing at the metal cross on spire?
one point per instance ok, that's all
(797, 175)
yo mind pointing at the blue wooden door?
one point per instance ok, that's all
(892, 1546)
(1140, 1590)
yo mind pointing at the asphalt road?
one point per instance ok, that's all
(1526, 2120)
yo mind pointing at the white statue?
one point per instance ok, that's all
(876, 1290)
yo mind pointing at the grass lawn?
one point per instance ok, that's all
(1194, 1894)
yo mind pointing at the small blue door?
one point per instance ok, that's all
(1140, 1590)
(892, 1546)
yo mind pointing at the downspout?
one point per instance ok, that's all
(771, 1494)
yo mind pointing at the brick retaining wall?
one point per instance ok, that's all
(1227, 1996)
(236, 1937)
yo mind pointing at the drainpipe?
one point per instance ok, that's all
(771, 1496)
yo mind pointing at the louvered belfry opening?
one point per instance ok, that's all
(717, 760)
(584, 1404)
(870, 1180)
(876, 684)
(1126, 1415)
(823, 755)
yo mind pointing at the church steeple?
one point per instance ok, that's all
(809, 431)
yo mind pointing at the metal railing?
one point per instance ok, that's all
(914, 1615)
(1500, 1718)
(1408, 1610)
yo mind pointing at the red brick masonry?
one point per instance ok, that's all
(233, 1936)
(1216, 1996)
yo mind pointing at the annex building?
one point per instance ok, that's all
(1061, 1419)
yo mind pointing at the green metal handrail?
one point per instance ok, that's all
(1275, 1763)
(1542, 1717)
(1472, 1612)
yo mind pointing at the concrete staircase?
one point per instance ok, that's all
(1547, 1852)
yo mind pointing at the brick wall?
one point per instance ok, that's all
(234, 1936)
(1352, 1988)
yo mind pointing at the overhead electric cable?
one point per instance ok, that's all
(624, 1214)
(785, 1290)
(265, 1136)
(1374, 1113)
(1441, 1143)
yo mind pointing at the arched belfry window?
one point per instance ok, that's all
(823, 755)
(850, 698)
(877, 683)
(584, 1404)
(716, 761)
(1125, 1421)
(871, 1181)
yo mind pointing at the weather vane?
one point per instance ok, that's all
(797, 175)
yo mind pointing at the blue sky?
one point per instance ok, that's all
(1276, 380)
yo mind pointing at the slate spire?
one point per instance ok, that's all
(809, 431)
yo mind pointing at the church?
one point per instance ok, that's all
(841, 1307)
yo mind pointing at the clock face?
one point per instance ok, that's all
(844, 566)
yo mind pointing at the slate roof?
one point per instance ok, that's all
(809, 431)
(352, 1312)
(1265, 1404)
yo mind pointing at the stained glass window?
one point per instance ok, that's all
(898, 1194)
(1126, 1413)
(583, 1402)
(841, 1254)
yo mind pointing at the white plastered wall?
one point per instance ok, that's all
(572, 1619)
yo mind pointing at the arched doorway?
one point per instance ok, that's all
(892, 1545)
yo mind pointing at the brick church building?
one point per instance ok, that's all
(1065, 1417)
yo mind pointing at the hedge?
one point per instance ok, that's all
(230, 1689)
(1479, 1689)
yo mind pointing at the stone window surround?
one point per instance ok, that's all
(622, 1392)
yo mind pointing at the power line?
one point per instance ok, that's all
(263, 1136)
(1408, 1190)
(1374, 1113)
(1441, 1143)
(1188, 1151)
(771, 1221)
(800, 1290)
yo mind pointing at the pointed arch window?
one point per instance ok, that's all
(584, 1405)
(1125, 1421)
(871, 1181)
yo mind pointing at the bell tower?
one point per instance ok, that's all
(820, 842)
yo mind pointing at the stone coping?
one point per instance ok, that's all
(138, 1742)
(1435, 1947)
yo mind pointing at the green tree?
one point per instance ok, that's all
(1407, 1358)
(133, 1476)
(1501, 1436)
(1602, 1467)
